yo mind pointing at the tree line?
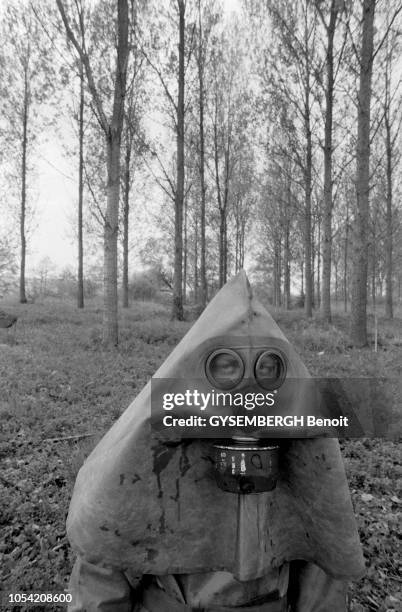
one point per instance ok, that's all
(270, 130)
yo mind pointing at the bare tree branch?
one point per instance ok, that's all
(83, 55)
(395, 15)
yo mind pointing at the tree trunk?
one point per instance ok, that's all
(203, 274)
(327, 216)
(110, 321)
(196, 275)
(308, 301)
(113, 142)
(222, 212)
(389, 312)
(286, 267)
(225, 210)
(373, 253)
(313, 265)
(237, 236)
(360, 251)
(373, 278)
(126, 218)
(110, 324)
(336, 279)
(318, 254)
(225, 252)
(23, 298)
(286, 247)
(222, 199)
(345, 261)
(80, 275)
(222, 247)
(277, 272)
(241, 245)
(185, 253)
(177, 310)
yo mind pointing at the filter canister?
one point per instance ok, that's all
(246, 466)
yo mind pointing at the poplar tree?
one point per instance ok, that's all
(26, 84)
(112, 129)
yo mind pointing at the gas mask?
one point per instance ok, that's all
(244, 464)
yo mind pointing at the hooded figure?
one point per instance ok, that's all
(155, 533)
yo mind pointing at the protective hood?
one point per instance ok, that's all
(153, 505)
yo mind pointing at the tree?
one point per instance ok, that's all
(201, 104)
(207, 19)
(231, 132)
(70, 73)
(26, 82)
(126, 202)
(169, 64)
(392, 108)
(360, 235)
(330, 28)
(177, 310)
(222, 121)
(295, 79)
(135, 148)
(80, 275)
(112, 129)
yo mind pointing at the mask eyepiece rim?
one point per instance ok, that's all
(271, 384)
(219, 384)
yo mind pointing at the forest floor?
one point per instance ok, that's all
(57, 381)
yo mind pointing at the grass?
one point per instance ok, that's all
(57, 381)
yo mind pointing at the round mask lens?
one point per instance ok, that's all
(224, 369)
(270, 370)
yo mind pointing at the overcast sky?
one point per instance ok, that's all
(54, 235)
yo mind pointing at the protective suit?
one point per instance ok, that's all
(153, 531)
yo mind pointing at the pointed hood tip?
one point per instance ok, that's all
(241, 277)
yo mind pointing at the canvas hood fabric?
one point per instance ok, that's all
(153, 505)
